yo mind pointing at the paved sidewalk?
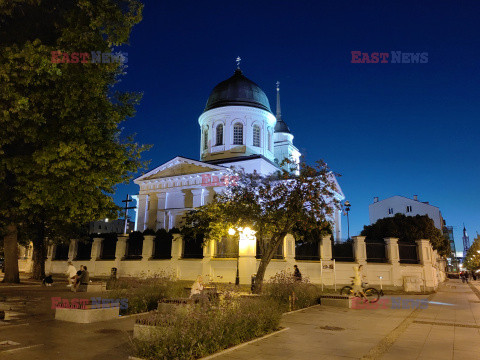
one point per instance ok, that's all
(447, 329)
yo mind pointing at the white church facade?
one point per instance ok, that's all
(237, 130)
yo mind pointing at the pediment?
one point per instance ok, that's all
(179, 166)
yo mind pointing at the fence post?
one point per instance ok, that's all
(326, 248)
(208, 253)
(147, 249)
(359, 249)
(96, 251)
(425, 253)
(393, 256)
(72, 249)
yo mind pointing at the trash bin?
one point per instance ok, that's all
(113, 273)
(254, 276)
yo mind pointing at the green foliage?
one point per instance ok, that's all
(61, 151)
(283, 287)
(472, 260)
(144, 294)
(195, 332)
(408, 229)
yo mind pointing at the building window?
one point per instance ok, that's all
(390, 211)
(219, 135)
(409, 209)
(238, 134)
(269, 141)
(205, 140)
(256, 136)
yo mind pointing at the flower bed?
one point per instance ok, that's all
(195, 331)
(291, 294)
(144, 294)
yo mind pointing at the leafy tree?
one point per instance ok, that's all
(472, 259)
(408, 229)
(61, 150)
(273, 206)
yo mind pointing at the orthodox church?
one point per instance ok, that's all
(239, 130)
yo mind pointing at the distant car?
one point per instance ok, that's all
(453, 275)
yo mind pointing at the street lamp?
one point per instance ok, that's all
(347, 210)
(231, 232)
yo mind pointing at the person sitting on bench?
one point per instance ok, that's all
(82, 279)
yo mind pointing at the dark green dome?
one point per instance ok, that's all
(237, 91)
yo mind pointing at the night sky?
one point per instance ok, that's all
(388, 129)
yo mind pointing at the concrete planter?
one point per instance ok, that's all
(87, 316)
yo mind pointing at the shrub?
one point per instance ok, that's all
(143, 294)
(283, 286)
(193, 331)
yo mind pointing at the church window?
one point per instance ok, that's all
(238, 134)
(256, 136)
(205, 140)
(269, 141)
(219, 135)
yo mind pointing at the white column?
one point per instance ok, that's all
(200, 197)
(141, 213)
(338, 225)
(151, 213)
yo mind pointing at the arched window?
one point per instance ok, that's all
(269, 140)
(238, 134)
(219, 135)
(205, 139)
(256, 135)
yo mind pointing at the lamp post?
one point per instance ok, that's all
(347, 210)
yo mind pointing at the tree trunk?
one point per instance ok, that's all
(39, 254)
(265, 260)
(10, 247)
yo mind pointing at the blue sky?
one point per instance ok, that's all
(389, 129)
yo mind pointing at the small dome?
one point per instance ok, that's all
(237, 91)
(281, 126)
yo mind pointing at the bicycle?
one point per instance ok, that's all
(369, 294)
